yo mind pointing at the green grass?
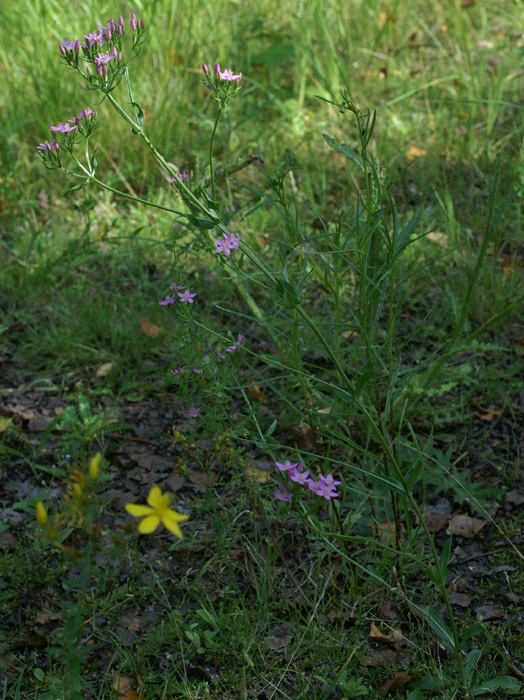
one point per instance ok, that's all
(252, 601)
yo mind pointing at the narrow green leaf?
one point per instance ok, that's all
(440, 628)
(350, 153)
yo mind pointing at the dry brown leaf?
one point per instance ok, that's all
(174, 482)
(257, 393)
(488, 415)
(133, 622)
(343, 616)
(151, 462)
(515, 498)
(438, 237)
(30, 639)
(386, 532)
(415, 152)
(461, 599)
(303, 436)
(8, 541)
(512, 597)
(385, 610)
(349, 334)
(38, 424)
(392, 636)
(464, 526)
(518, 347)
(489, 612)
(123, 688)
(508, 267)
(279, 638)
(257, 475)
(384, 657)
(436, 521)
(201, 478)
(399, 679)
(149, 328)
(104, 369)
(43, 618)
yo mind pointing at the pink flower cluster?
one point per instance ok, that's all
(192, 411)
(324, 486)
(103, 59)
(182, 296)
(226, 75)
(46, 146)
(184, 370)
(232, 348)
(72, 124)
(114, 30)
(227, 243)
(180, 177)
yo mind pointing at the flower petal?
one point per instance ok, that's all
(149, 524)
(138, 511)
(155, 496)
(171, 520)
(173, 516)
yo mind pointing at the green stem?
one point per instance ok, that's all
(189, 196)
(211, 144)
(98, 182)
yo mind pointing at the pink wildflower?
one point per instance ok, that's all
(186, 296)
(283, 494)
(192, 411)
(228, 76)
(286, 466)
(298, 475)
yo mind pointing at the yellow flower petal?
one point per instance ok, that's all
(155, 497)
(41, 514)
(94, 466)
(139, 511)
(173, 527)
(176, 517)
(149, 524)
(170, 520)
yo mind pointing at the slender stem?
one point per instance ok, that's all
(211, 144)
(193, 200)
(98, 182)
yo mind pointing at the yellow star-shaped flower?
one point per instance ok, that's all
(157, 512)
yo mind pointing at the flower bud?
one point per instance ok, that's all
(63, 50)
(41, 514)
(217, 69)
(94, 466)
(205, 68)
(133, 24)
(108, 34)
(120, 30)
(121, 21)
